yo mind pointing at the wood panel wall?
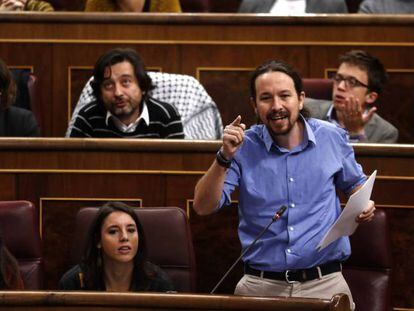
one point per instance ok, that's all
(61, 175)
(218, 49)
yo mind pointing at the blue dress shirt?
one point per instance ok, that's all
(304, 179)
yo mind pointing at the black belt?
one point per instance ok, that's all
(302, 275)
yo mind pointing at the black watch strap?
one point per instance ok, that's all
(221, 160)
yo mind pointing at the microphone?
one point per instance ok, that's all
(275, 217)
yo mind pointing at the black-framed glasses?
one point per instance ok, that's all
(350, 82)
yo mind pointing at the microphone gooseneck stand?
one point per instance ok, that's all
(274, 218)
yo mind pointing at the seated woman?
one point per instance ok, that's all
(9, 270)
(14, 121)
(170, 6)
(115, 256)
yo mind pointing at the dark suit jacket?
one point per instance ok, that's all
(18, 122)
(377, 130)
(312, 6)
(387, 7)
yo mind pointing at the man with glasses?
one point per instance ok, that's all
(357, 85)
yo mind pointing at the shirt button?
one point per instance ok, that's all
(292, 205)
(290, 228)
(291, 179)
(289, 250)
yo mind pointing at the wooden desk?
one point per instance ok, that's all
(60, 176)
(219, 49)
(93, 301)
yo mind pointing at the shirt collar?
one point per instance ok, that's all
(331, 116)
(131, 127)
(308, 136)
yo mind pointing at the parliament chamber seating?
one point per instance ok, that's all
(368, 269)
(199, 114)
(187, 5)
(20, 231)
(233, 5)
(168, 238)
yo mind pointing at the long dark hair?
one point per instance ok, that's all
(92, 263)
(9, 269)
(7, 86)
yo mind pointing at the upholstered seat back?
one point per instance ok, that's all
(168, 239)
(368, 270)
(20, 231)
(318, 88)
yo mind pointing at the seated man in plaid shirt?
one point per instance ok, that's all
(122, 107)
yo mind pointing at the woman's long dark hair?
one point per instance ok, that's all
(9, 269)
(7, 87)
(92, 262)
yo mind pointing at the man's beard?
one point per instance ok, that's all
(124, 111)
(284, 116)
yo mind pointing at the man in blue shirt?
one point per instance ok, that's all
(288, 160)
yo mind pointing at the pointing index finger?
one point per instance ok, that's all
(236, 121)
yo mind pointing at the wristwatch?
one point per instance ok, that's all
(221, 160)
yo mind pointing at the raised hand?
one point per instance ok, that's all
(233, 137)
(354, 117)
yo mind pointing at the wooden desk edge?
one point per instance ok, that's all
(204, 18)
(166, 145)
(198, 301)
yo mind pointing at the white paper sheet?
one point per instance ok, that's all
(346, 224)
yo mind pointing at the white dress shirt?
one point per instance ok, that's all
(289, 7)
